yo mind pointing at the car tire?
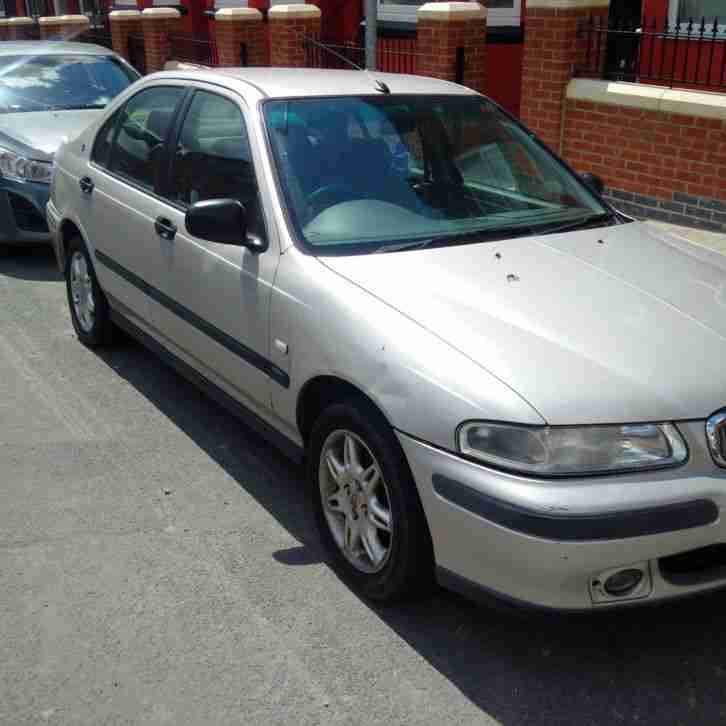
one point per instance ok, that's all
(381, 565)
(88, 306)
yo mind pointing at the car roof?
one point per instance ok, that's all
(50, 47)
(301, 82)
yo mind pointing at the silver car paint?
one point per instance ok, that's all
(618, 324)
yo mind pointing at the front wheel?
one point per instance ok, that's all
(368, 511)
(88, 305)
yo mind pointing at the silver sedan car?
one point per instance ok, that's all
(495, 380)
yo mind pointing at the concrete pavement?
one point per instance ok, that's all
(158, 565)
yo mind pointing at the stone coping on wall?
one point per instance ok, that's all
(567, 4)
(702, 104)
(64, 20)
(238, 14)
(452, 11)
(293, 11)
(124, 14)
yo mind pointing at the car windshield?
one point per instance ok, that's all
(380, 173)
(60, 82)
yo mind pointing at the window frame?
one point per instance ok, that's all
(683, 25)
(155, 190)
(496, 17)
(166, 177)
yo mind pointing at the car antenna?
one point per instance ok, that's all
(379, 85)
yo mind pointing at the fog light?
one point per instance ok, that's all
(623, 582)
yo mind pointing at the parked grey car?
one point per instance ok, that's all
(494, 378)
(49, 90)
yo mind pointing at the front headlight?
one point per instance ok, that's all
(14, 166)
(571, 450)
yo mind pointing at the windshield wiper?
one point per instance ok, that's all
(482, 235)
(587, 221)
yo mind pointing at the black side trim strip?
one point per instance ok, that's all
(576, 528)
(249, 418)
(219, 336)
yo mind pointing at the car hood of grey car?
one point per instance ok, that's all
(40, 133)
(617, 324)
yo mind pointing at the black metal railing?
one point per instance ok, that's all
(137, 55)
(685, 53)
(98, 37)
(188, 48)
(393, 55)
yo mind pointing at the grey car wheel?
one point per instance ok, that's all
(88, 306)
(367, 507)
(356, 502)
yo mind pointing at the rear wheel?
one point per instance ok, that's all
(367, 508)
(88, 305)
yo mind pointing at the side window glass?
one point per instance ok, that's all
(102, 144)
(144, 123)
(212, 159)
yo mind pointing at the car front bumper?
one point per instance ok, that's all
(22, 212)
(550, 544)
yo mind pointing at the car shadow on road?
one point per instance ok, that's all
(660, 666)
(34, 263)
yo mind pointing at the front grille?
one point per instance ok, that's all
(716, 435)
(27, 217)
(695, 567)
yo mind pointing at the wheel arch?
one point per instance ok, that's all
(67, 231)
(320, 392)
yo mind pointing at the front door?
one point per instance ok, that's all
(122, 204)
(621, 56)
(222, 292)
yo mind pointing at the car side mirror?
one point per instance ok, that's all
(594, 182)
(223, 221)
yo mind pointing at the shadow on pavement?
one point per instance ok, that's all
(660, 666)
(33, 262)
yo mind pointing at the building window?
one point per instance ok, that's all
(500, 12)
(684, 11)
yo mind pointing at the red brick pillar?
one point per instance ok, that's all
(235, 28)
(289, 26)
(67, 27)
(122, 23)
(20, 28)
(442, 28)
(158, 24)
(552, 49)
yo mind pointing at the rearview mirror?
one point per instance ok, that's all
(594, 182)
(223, 221)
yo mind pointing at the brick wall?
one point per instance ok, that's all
(656, 164)
(289, 26)
(158, 23)
(551, 50)
(440, 32)
(235, 27)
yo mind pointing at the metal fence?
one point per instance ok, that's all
(189, 48)
(393, 55)
(685, 53)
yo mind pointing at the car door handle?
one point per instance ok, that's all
(86, 184)
(165, 228)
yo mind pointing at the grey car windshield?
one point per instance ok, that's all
(60, 82)
(389, 171)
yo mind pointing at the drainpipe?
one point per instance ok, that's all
(371, 33)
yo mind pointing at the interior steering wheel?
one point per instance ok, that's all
(328, 195)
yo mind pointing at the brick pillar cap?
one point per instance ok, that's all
(238, 14)
(4, 21)
(64, 20)
(567, 4)
(21, 21)
(160, 13)
(293, 11)
(124, 15)
(452, 11)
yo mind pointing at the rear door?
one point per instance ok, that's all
(220, 293)
(121, 200)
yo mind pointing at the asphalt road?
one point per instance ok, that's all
(158, 565)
